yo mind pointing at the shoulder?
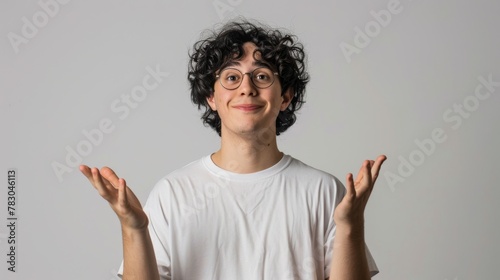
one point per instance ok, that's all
(188, 172)
(314, 179)
(319, 187)
(304, 170)
(192, 169)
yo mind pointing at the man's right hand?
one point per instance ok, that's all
(121, 199)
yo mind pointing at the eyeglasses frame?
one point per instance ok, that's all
(217, 76)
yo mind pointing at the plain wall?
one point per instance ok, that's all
(411, 87)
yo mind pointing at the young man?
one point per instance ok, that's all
(247, 211)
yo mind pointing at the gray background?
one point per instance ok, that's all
(439, 220)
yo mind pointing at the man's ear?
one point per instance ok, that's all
(287, 98)
(211, 101)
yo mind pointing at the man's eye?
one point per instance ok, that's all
(262, 77)
(232, 78)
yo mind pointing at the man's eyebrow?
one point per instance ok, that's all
(232, 63)
(261, 63)
(258, 63)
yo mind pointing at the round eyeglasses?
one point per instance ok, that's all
(231, 78)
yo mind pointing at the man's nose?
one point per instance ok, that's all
(247, 86)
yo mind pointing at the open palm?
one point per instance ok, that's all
(121, 199)
(350, 210)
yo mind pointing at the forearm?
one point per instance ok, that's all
(139, 261)
(349, 256)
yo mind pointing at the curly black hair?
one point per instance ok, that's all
(278, 49)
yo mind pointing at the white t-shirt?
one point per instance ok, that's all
(208, 223)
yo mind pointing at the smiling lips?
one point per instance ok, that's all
(247, 107)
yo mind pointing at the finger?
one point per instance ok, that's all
(102, 187)
(86, 171)
(122, 193)
(105, 183)
(359, 177)
(366, 182)
(96, 179)
(350, 190)
(370, 164)
(110, 176)
(376, 167)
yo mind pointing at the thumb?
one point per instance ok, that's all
(122, 193)
(350, 190)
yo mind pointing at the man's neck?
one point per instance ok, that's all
(249, 154)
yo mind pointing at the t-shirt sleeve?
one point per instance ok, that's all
(330, 233)
(156, 208)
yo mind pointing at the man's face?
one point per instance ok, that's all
(248, 110)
